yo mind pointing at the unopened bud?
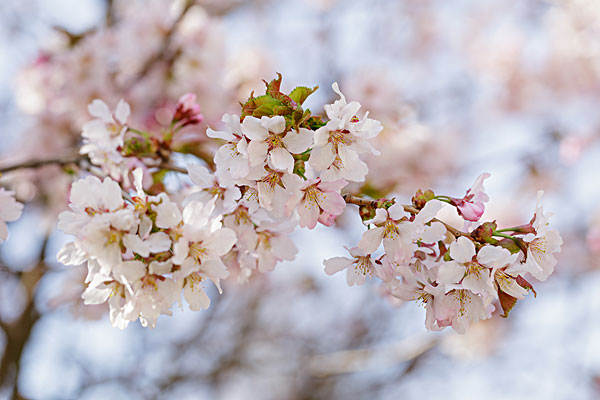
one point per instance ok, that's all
(484, 232)
(299, 167)
(420, 198)
(366, 213)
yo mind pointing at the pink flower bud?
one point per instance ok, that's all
(187, 111)
(471, 211)
(471, 206)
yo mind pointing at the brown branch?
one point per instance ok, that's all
(221, 8)
(109, 17)
(173, 168)
(348, 361)
(449, 228)
(19, 331)
(160, 53)
(62, 160)
(410, 209)
(348, 198)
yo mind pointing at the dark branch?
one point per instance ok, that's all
(63, 160)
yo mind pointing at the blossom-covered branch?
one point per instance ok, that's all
(62, 160)
(277, 167)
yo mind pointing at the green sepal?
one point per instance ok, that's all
(421, 198)
(447, 256)
(299, 168)
(484, 232)
(139, 147)
(509, 245)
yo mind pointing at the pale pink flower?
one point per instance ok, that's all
(10, 210)
(314, 199)
(232, 157)
(103, 137)
(338, 143)
(210, 187)
(269, 144)
(541, 246)
(358, 268)
(474, 272)
(398, 234)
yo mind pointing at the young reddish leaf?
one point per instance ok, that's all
(526, 285)
(507, 302)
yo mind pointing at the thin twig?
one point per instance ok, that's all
(410, 209)
(348, 198)
(348, 361)
(173, 168)
(160, 53)
(449, 228)
(63, 160)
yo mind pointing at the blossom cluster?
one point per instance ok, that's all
(278, 167)
(111, 145)
(458, 276)
(271, 174)
(176, 48)
(142, 253)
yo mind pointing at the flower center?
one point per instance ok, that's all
(274, 141)
(363, 266)
(391, 229)
(338, 137)
(197, 251)
(538, 245)
(311, 195)
(473, 268)
(194, 279)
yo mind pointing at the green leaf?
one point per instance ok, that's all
(260, 106)
(315, 122)
(282, 110)
(300, 93)
(159, 176)
(509, 245)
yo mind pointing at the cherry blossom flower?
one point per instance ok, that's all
(272, 194)
(541, 246)
(153, 295)
(10, 210)
(232, 157)
(398, 233)
(268, 143)
(338, 143)
(104, 137)
(468, 307)
(358, 268)
(315, 200)
(226, 197)
(202, 238)
(261, 249)
(474, 272)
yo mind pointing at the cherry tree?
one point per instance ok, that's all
(279, 167)
(175, 195)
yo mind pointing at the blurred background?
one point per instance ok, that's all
(510, 87)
